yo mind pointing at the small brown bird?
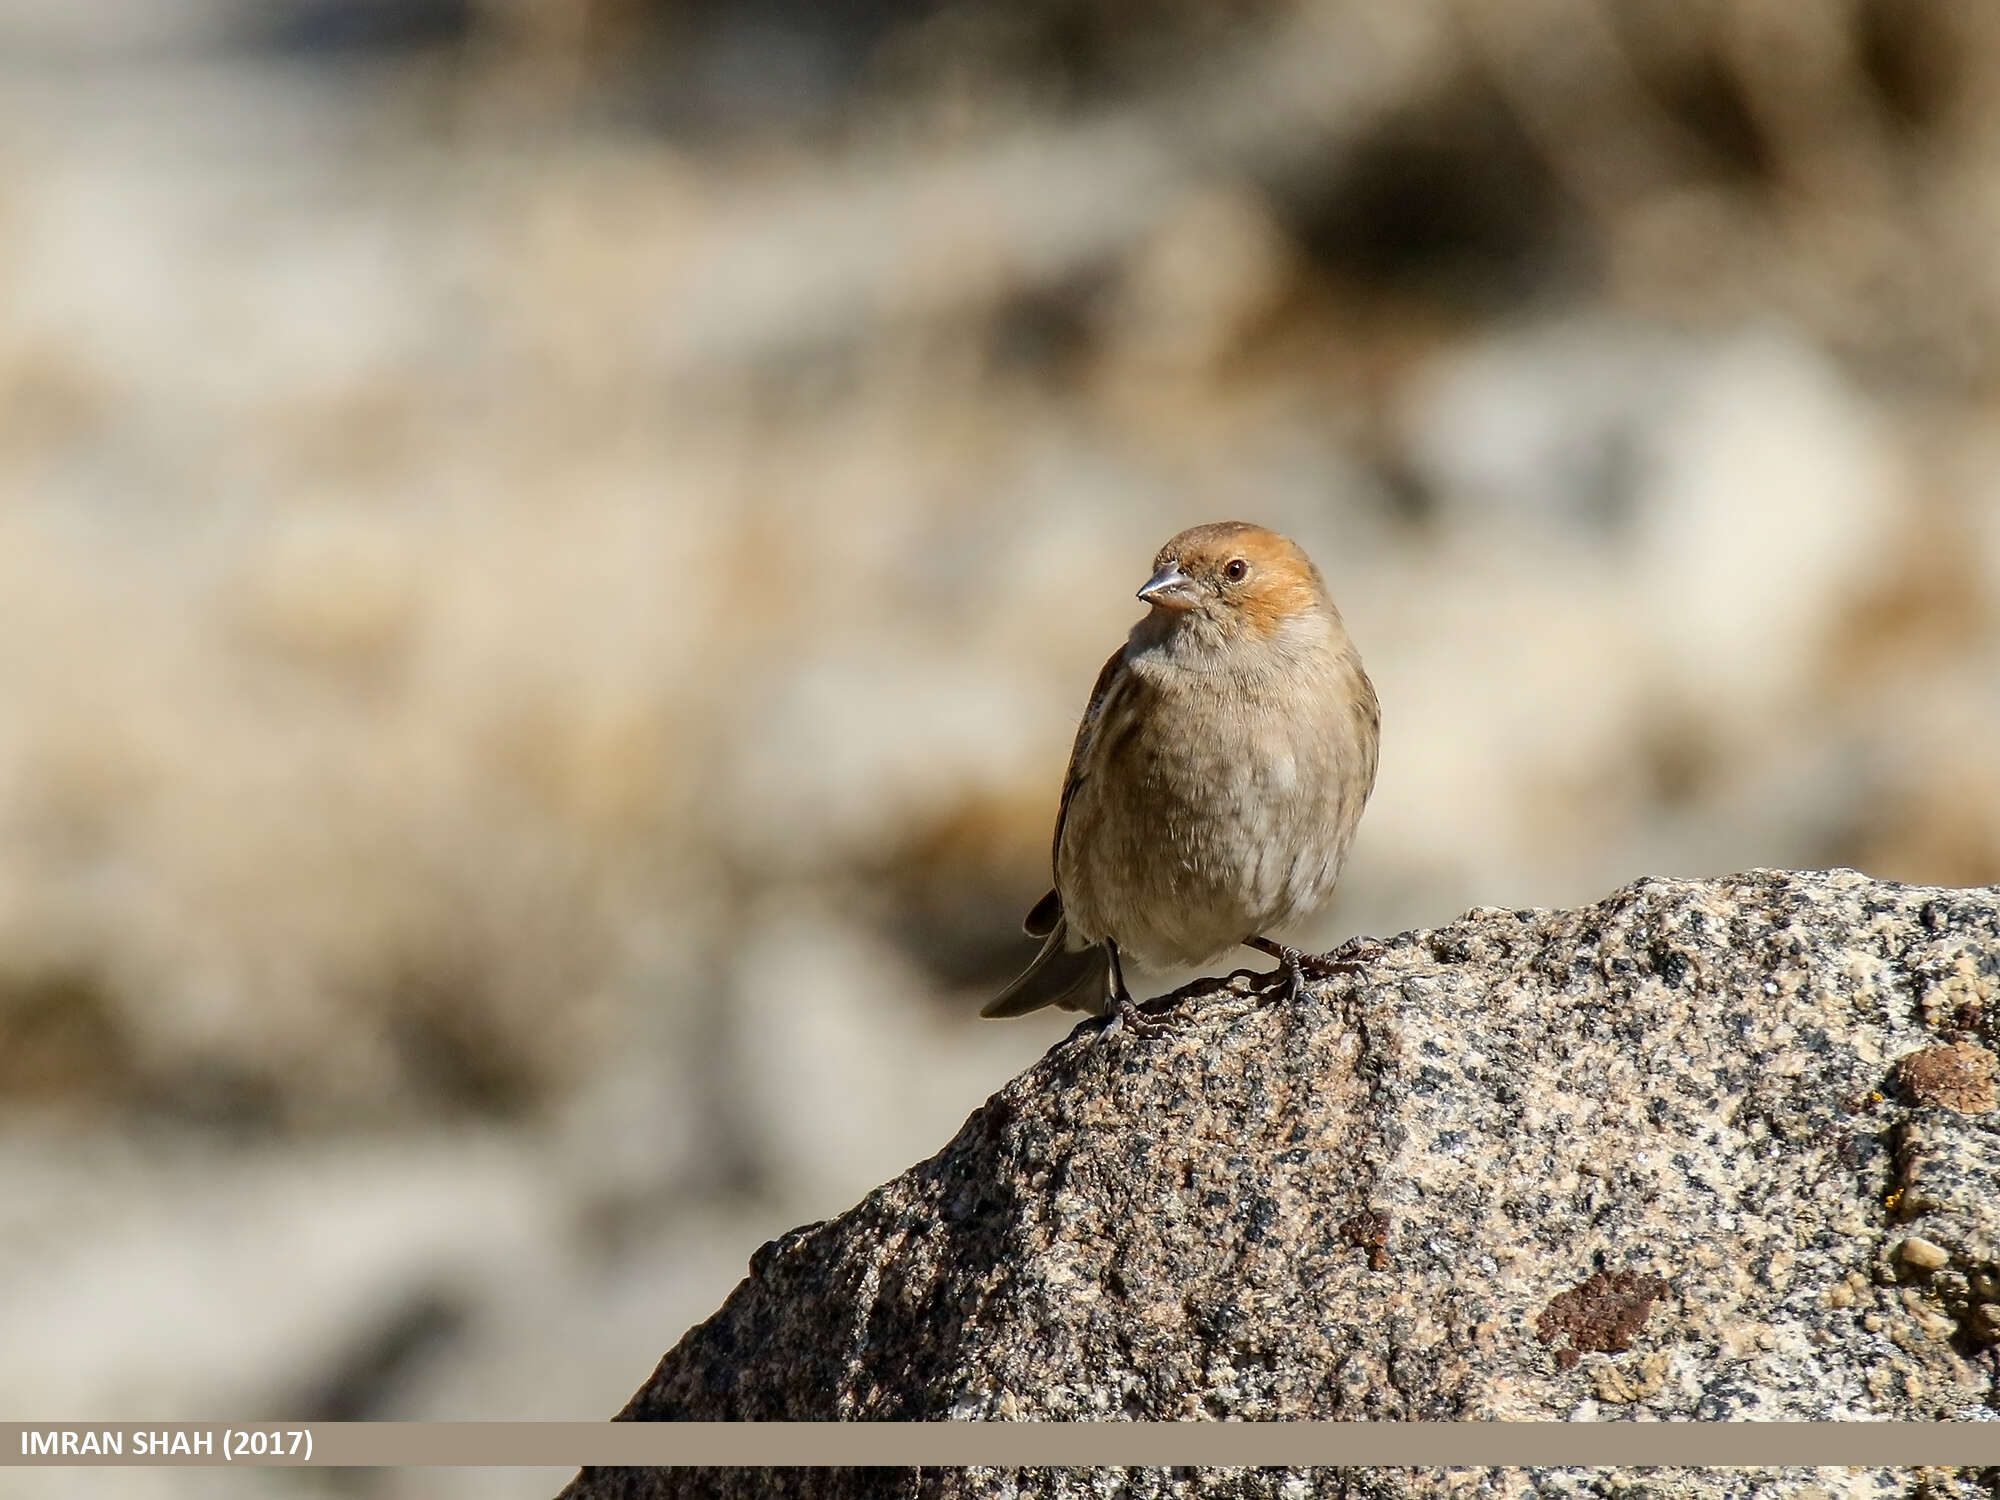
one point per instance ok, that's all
(1217, 776)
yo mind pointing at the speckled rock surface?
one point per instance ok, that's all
(1657, 1158)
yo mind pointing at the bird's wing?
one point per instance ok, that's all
(1049, 910)
(1086, 736)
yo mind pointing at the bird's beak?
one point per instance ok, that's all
(1169, 588)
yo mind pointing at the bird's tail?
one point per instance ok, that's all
(1079, 980)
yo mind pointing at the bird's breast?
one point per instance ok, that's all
(1210, 810)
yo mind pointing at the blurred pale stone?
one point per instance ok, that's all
(333, 588)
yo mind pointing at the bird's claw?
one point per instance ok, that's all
(1127, 1016)
(1351, 957)
(1291, 968)
(1295, 968)
(1293, 964)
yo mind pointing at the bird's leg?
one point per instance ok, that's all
(1125, 1013)
(1293, 962)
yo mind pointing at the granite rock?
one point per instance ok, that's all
(1660, 1158)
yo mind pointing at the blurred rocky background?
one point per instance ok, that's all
(551, 550)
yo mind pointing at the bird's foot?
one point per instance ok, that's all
(1294, 967)
(1126, 1015)
(1351, 957)
(1291, 970)
(1293, 964)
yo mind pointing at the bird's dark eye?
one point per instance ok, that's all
(1236, 569)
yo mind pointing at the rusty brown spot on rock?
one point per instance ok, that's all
(1602, 1315)
(1959, 1075)
(1369, 1230)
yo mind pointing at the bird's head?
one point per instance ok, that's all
(1231, 581)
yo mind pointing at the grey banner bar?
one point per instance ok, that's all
(1004, 1444)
